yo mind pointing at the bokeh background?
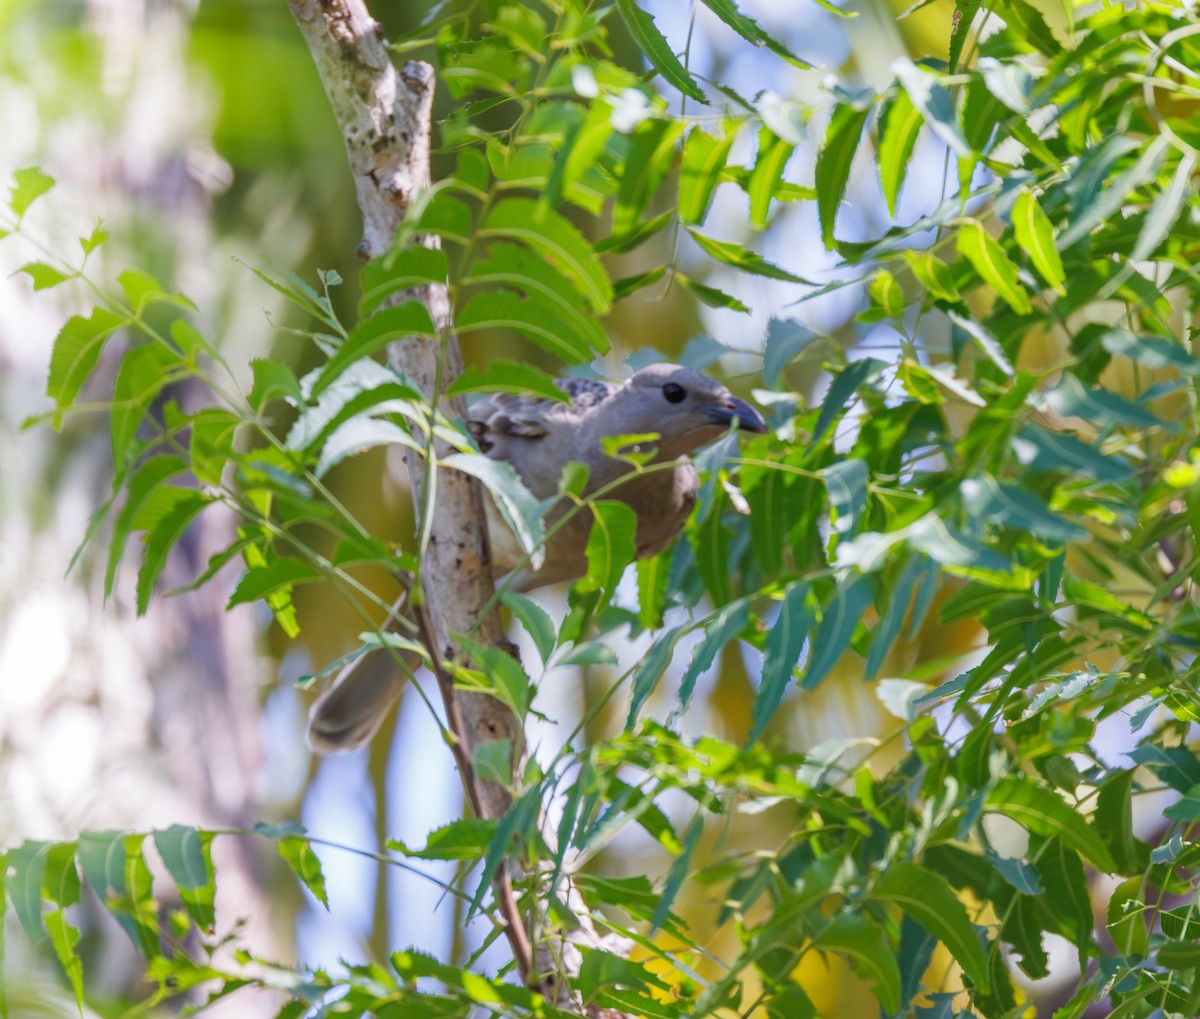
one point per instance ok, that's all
(198, 133)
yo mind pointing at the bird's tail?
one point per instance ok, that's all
(347, 714)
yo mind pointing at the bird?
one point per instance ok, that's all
(538, 436)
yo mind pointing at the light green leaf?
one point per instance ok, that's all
(532, 317)
(773, 155)
(261, 581)
(76, 351)
(751, 31)
(649, 670)
(515, 502)
(557, 240)
(933, 274)
(846, 482)
(28, 185)
(1166, 209)
(935, 103)
(833, 164)
(900, 123)
(700, 170)
(535, 619)
(928, 899)
(185, 505)
(1043, 812)
(653, 576)
(994, 266)
(400, 270)
(148, 478)
(887, 297)
(464, 839)
(298, 854)
(986, 341)
(1099, 209)
(524, 269)
(508, 377)
(652, 43)
(742, 258)
(187, 855)
(711, 296)
(1035, 236)
(392, 324)
(358, 435)
(611, 545)
(44, 276)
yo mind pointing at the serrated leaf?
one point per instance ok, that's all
(927, 898)
(833, 164)
(1044, 812)
(985, 498)
(146, 480)
(934, 101)
(1035, 236)
(993, 265)
(506, 309)
(186, 505)
(846, 482)
(700, 171)
(653, 576)
(555, 239)
(28, 185)
(964, 14)
(464, 839)
(649, 669)
(76, 351)
(841, 389)
(535, 619)
(392, 324)
(887, 298)
(711, 296)
(656, 48)
(515, 502)
(44, 276)
(399, 270)
(143, 372)
(985, 340)
(611, 545)
(261, 581)
(680, 868)
(785, 641)
(900, 124)
(838, 622)
(773, 155)
(358, 435)
(731, 620)
(933, 274)
(187, 855)
(517, 266)
(786, 338)
(508, 377)
(743, 259)
(867, 945)
(751, 31)
(1100, 208)
(899, 601)
(297, 853)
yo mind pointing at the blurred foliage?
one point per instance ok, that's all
(1023, 455)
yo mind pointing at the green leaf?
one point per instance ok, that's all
(520, 267)
(1099, 209)
(785, 640)
(185, 505)
(964, 14)
(553, 237)
(742, 258)
(508, 377)
(298, 854)
(114, 868)
(535, 619)
(400, 270)
(261, 581)
(928, 899)
(273, 380)
(653, 577)
(532, 317)
(786, 338)
(1043, 812)
(992, 264)
(986, 341)
(833, 164)
(187, 855)
(649, 669)
(773, 155)
(730, 621)
(867, 946)
(611, 545)
(1099, 406)
(846, 481)
(656, 48)
(392, 324)
(900, 123)
(985, 498)
(751, 31)
(681, 867)
(935, 102)
(140, 378)
(887, 298)
(711, 296)
(44, 276)
(841, 389)
(933, 274)
(515, 502)
(899, 601)
(28, 863)
(1035, 236)
(700, 171)
(28, 185)
(1152, 351)
(838, 622)
(1165, 210)
(464, 839)
(76, 351)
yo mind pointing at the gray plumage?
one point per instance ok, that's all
(539, 437)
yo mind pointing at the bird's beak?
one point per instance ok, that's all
(733, 409)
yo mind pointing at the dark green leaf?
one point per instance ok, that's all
(611, 545)
(730, 621)
(187, 855)
(838, 622)
(742, 258)
(652, 43)
(1043, 812)
(515, 502)
(185, 505)
(785, 640)
(535, 619)
(833, 164)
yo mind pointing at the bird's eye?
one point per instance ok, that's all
(674, 392)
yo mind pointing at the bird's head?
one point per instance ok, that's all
(684, 407)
